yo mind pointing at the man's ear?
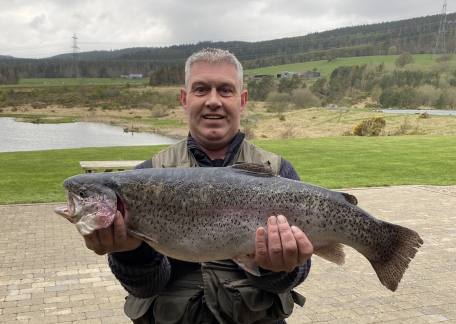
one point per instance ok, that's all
(183, 98)
(244, 99)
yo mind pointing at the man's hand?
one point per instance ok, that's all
(282, 248)
(112, 239)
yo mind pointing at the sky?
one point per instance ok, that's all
(43, 28)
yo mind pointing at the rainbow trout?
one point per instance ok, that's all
(208, 214)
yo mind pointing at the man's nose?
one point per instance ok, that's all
(213, 99)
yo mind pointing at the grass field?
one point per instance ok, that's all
(56, 82)
(325, 67)
(330, 162)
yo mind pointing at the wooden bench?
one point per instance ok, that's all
(108, 166)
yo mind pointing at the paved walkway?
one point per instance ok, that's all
(48, 276)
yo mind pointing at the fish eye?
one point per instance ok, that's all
(83, 194)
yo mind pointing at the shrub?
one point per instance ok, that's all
(305, 98)
(427, 95)
(289, 84)
(38, 105)
(398, 97)
(370, 127)
(249, 132)
(159, 110)
(404, 59)
(406, 128)
(444, 58)
(277, 102)
(320, 87)
(259, 89)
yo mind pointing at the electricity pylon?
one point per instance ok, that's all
(440, 44)
(75, 55)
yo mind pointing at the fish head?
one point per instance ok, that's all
(91, 205)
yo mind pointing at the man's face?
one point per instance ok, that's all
(213, 102)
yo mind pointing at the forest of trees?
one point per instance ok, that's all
(415, 35)
(8, 75)
(348, 85)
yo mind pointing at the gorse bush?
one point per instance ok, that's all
(370, 127)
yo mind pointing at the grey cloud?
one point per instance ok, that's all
(38, 21)
(48, 25)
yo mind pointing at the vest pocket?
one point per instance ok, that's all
(233, 299)
(250, 304)
(184, 307)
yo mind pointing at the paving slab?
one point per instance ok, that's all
(48, 276)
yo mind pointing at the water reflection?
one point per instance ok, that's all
(435, 112)
(20, 136)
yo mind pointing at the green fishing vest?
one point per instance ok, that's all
(218, 293)
(178, 156)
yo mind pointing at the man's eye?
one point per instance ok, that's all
(226, 92)
(200, 90)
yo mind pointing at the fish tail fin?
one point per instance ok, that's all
(391, 261)
(333, 252)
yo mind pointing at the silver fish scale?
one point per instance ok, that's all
(205, 213)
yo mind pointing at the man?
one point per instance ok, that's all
(164, 290)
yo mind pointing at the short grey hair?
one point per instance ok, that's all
(213, 56)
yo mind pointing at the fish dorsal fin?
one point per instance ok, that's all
(255, 169)
(350, 198)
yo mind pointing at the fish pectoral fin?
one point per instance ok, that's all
(260, 170)
(146, 239)
(247, 263)
(333, 252)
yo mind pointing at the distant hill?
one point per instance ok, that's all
(416, 35)
(6, 57)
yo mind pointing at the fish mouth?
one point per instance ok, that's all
(68, 211)
(120, 205)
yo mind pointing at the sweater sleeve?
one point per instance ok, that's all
(282, 281)
(142, 272)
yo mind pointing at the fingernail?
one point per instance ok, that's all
(273, 220)
(294, 229)
(281, 219)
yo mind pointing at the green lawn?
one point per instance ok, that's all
(344, 162)
(330, 162)
(325, 67)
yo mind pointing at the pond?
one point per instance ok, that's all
(20, 136)
(435, 112)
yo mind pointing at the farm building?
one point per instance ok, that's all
(132, 76)
(303, 75)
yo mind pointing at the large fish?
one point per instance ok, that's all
(208, 214)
